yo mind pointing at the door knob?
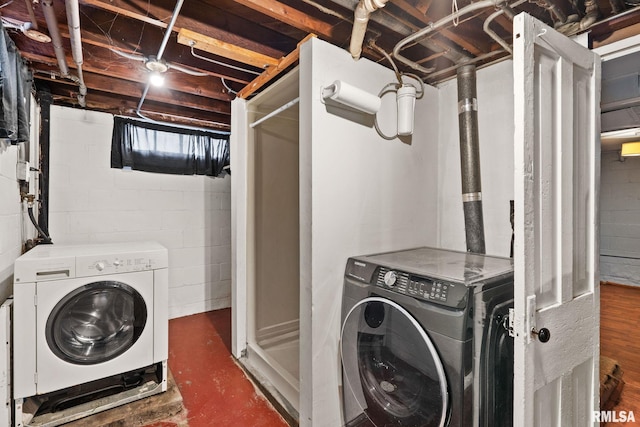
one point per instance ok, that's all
(543, 334)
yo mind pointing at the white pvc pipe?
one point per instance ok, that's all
(360, 21)
(73, 21)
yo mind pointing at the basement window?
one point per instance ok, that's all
(153, 147)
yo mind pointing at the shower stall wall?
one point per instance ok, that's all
(273, 242)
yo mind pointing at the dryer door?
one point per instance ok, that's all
(392, 374)
(96, 322)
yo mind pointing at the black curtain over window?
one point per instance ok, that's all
(152, 147)
(15, 87)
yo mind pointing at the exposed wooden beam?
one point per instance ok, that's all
(423, 6)
(118, 104)
(116, 9)
(272, 72)
(226, 50)
(290, 16)
(115, 86)
(196, 16)
(106, 63)
(425, 19)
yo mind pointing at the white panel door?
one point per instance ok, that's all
(557, 161)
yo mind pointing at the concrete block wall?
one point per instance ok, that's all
(92, 203)
(10, 208)
(620, 219)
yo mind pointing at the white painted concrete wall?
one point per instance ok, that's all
(620, 219)
(15, 227)
(92, 203)
(10, 225)
(495, 124)
(359, 194)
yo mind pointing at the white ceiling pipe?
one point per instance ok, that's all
(437, 25)
(56, 39)
(360, 21)
(448, 50)
(487, 29)
(73, 21)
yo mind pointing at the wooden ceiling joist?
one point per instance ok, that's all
(289, 15)
(226, 50)
(272, 72)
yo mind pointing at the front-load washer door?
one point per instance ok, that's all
(96, 322)
(392, 374)
(90, 328)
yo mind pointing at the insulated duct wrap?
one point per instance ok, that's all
(470, 159)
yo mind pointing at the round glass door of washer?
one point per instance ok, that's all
(96, 322)
(391, 368)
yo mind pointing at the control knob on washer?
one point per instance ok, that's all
(390, 278)
(99, 265)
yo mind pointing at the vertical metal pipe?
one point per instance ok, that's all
(56, 38)
(470, 158)
(45, 100)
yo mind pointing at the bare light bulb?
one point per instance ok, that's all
(156, 79)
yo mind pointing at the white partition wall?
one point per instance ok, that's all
(358, 194)
(364, 195)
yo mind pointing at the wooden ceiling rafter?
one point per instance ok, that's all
(131, 9)
(227, 50)
(426, 20)
(273, 72)
(126, 105)
(290, 16)
(271, 28)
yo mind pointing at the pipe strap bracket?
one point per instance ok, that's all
(466, 105)
(471, 197)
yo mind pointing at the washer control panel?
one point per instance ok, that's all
(95, 265)
(428, 289)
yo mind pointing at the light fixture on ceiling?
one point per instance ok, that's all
(27, 29)
(156, 65)
(630, 149)
(156, 79)
(157, 68)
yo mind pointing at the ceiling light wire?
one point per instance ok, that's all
(224, 83)
(204, 58)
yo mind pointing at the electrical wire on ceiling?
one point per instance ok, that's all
(213, 61)
(159, 57)
(181, 126)
(226, 86)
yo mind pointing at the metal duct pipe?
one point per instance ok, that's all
(470, 158)
(73, 20)
(56, 39)
(360, 21)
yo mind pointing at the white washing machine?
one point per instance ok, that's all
(87, 312)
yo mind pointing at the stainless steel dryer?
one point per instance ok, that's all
(423, 341)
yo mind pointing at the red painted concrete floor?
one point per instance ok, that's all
(214, 389)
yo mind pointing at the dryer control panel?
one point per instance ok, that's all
(428, 289)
